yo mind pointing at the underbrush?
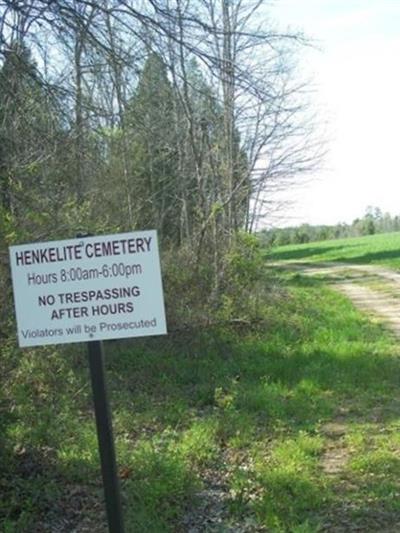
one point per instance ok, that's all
(210, 291)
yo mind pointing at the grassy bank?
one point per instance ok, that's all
(293, 426)
(383, 249)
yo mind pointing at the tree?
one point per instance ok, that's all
(28, 138)
(152, 147)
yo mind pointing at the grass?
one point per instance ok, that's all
(382, 249)
(240, 413)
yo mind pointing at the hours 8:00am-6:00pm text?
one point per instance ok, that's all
(116, 270)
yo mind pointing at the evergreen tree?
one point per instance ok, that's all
(29, 138)
(149, 121)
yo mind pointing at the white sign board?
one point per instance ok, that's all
(93, 288)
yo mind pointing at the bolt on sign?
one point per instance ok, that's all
(95, 288)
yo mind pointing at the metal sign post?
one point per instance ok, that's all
(105, 437)
(88, 290)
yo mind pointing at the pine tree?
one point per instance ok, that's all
(149, 119)
(28, 139)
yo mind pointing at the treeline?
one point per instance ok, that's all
(374, 221)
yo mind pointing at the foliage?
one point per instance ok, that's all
(153, 151)
(243, 280)
(193, 296)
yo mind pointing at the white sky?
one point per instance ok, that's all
(357, 74)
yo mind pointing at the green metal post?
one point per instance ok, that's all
(105, 437)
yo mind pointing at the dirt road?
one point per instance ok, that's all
(372, 289)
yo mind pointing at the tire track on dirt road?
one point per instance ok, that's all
(372, 289)
(375, 291)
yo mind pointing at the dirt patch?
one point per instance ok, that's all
(375, 303)
(211, 512)
(334, 460)
(335, 455)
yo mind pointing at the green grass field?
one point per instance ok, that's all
(296, 422)
(381, 249)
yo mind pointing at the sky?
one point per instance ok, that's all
(356, 73)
